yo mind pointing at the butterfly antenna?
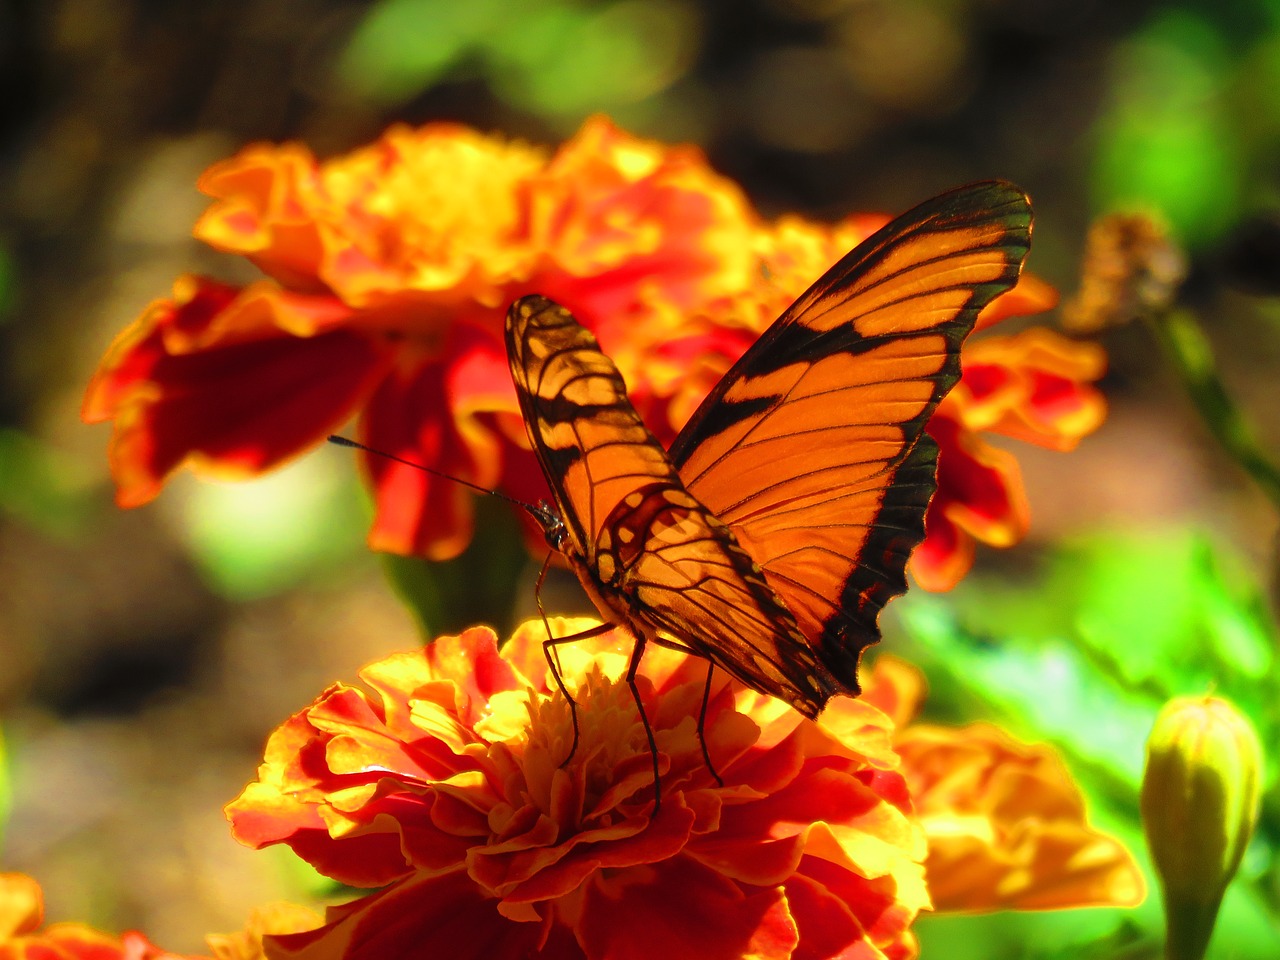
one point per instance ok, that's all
(538, 511)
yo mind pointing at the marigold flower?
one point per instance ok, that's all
(1200, 795)
(21, 936)
(389, 271)
(448, 787)
(1005, 822)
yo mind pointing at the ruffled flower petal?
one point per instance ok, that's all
(1007, 826)
(1029, 296)
(270, 920)
(426, 916)
(437, 210)
(230, 381)
(443, 415)
(623, 220)
(456, 782)
(1035, 386)
(980, 498)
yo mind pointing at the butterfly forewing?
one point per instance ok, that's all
(592, 446)
(812, 447)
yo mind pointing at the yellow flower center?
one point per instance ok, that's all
(611, 748)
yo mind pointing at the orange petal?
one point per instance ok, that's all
(980, 497)
(1034, 386)
(894, 686)
(21, 905)
(413, 416)
(425, 916)
(683, 911)
(274, 918)
(1029, 295)
(619, 217)
(944, 556)
(1007, 826)
(265, 199)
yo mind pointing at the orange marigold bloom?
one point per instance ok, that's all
(388, 273)
(1006, 824)
(21, 936)
(447, 787)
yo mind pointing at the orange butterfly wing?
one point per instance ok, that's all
(783, 517)
(812, 447)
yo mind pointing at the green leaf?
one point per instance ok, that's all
(1086, 652)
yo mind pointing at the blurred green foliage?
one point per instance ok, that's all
(1193, 119)
(1082, 653)
(6, 792)
(42, 486)
(554, 58)
(257, 539)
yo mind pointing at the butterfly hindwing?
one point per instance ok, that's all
(812, 447)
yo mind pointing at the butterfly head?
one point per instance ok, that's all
(553, 528)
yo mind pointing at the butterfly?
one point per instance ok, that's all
(769, 536)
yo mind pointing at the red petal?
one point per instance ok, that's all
(436, 413)
(423, 917)
(220, 381)
(681, 910)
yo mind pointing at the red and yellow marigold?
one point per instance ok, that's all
(450, 788)
(1006, 824)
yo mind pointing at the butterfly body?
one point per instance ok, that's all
(779, 523)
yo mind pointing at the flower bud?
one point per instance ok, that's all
(1199, 807)
(1132, 268)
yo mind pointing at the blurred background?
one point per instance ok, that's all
(145, 655)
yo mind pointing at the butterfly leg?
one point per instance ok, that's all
(553, 661)
(553, 658)
(702, 724)
(636, 653)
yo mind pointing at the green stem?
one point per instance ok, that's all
(1187, 348)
